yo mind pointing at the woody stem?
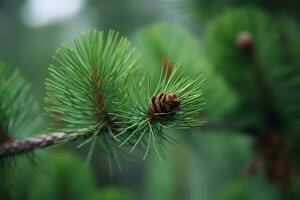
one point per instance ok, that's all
(16, 147)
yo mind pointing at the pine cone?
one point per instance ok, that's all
(163, 103)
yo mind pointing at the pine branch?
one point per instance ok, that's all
(92, 94)
(271, 148)
(245, 49)
(32, 143)
(16, 147)
(245, 43)
(86, 86)
(175, 102)
(18, 110)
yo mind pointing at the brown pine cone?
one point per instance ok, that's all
(163, 103)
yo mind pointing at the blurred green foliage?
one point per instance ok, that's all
(60, 175)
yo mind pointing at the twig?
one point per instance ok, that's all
(17, 147)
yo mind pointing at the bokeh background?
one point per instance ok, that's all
(210, 162)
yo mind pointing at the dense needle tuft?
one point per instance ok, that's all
(86, 84)
(176, 102)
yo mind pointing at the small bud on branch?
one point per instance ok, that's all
(244, 41)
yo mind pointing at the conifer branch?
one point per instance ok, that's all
(18, 113)
(248, 56)
(245, 43)
(92, 94)
(271, 148)
(16, 147)
(175, 102)
(32, 143)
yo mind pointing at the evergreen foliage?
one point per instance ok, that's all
(254, 82)
(19, 118)
(145, 127)
(201, 10)
(18, 109)
(234, 65)
(92, 92)
(163, 45)
(280, 76)
(92, 95)
(86, 85)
